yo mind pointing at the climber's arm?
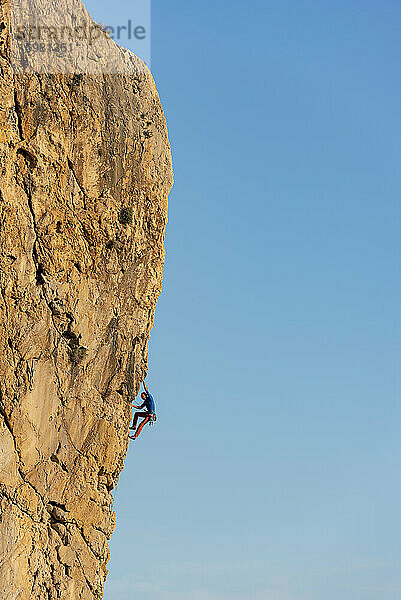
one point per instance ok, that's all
(144, 385)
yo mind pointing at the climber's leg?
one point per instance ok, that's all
(141, 426)
(138, 415)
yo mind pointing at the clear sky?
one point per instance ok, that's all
(273, 472)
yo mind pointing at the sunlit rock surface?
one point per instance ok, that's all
(85, 175)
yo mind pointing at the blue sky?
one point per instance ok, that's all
(273, 470)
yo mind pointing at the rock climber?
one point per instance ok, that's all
(149, 415)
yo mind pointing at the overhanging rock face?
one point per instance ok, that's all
(85, 175)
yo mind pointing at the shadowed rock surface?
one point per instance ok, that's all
(85, 174)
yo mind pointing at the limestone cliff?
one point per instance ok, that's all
(85, 174)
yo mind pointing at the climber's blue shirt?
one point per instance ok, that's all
(149, 403)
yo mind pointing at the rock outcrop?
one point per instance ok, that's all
(85, 174)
